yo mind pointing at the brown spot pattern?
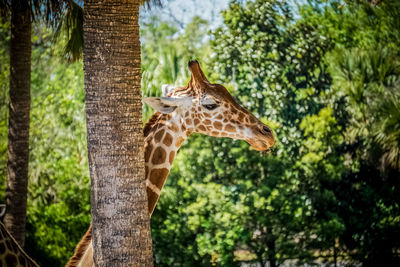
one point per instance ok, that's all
(159, 156)
(8, 244)
(11, 260)
(147, 151)
(217, 125)
(168, 139)
(171, 157)
(202, 128)
(230, 128)
(158, 177)
(151, 199)
(159, 135)
(174, 127)
(241, 116)
(179, 141)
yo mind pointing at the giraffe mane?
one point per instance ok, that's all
(146, 130)
(80, 249)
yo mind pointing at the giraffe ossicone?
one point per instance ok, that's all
(200, 107)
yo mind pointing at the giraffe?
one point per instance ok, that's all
(200, 107)
(11, 253)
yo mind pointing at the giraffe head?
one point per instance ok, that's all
(209, 109)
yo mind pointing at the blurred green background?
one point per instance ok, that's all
(325, 75)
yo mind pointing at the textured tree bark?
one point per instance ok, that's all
(121, 226)
(18, 127)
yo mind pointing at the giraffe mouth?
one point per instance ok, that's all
(260, 145)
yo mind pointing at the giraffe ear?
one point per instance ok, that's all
(166, 105)
(167, 89)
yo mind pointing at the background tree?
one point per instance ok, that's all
(58, 191)
(275, 64)
(18, 133)
(363, 97)
(22, 14)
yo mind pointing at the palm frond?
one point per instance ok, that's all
(48, 10)
(71, 25)
(148, 3)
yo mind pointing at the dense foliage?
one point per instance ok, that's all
(324, 76)
(328, 84)
(58, 201)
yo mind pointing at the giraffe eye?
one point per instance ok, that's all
(210, 106)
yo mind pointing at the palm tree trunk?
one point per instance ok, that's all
(120, 218)
(18, 128)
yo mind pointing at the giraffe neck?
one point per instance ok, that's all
(11, 253)
(164, 134)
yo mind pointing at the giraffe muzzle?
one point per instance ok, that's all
(263, 138)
